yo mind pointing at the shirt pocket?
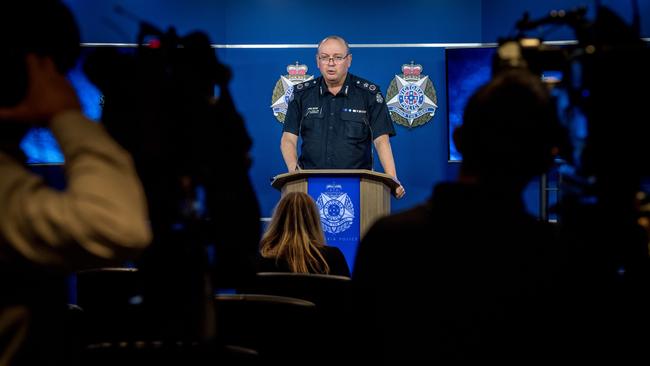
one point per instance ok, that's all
(311, 123)
(356, 125)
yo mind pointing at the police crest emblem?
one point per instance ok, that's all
(336, 209)
(283, 90)
(411, 97)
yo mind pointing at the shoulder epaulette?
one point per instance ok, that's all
(366, 85)
(305, 85)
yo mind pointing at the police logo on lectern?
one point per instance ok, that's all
(336, 209)
(411, 97)
(283, 90)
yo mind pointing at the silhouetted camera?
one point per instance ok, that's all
(160, 104)
(167, 102)
(600, 87)
(595, 82)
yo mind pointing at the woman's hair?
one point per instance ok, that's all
(295, 234)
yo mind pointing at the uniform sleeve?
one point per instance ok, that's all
(293, 117)
(380, 121)
(100, 218)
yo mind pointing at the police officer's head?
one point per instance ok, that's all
(333, 59)
(510, 130)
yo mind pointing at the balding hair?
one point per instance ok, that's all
(341, 39)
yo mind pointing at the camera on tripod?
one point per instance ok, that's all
(190, 148)
(599, 83)
(594, 81)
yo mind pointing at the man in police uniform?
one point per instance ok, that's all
(338, 115)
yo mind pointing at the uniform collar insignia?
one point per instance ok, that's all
(345, 88)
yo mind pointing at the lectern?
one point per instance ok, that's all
(349, 201)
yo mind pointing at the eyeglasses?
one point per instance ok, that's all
(336, 59)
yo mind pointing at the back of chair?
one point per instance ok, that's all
(119, 330)
(110, 300)
(331, 294)
(326, 291)
(279, 328)
(106, 288)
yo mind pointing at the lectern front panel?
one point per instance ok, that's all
(339, 206)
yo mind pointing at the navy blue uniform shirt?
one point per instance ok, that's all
(337, 131)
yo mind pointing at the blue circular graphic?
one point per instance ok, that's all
(411, 98)
(333, 210)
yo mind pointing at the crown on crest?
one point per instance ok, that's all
(411, 71)
(297, 71)
(333, 187)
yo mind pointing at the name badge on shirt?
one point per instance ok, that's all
(312, 110)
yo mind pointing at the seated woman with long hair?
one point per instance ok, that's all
(294, 240)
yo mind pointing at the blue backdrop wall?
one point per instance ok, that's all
(259, 38)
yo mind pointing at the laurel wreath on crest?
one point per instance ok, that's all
(278, 91)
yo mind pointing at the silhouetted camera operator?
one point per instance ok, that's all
(98, 219)
(605, 82)
(191, 152)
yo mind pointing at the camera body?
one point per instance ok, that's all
(595, 81)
